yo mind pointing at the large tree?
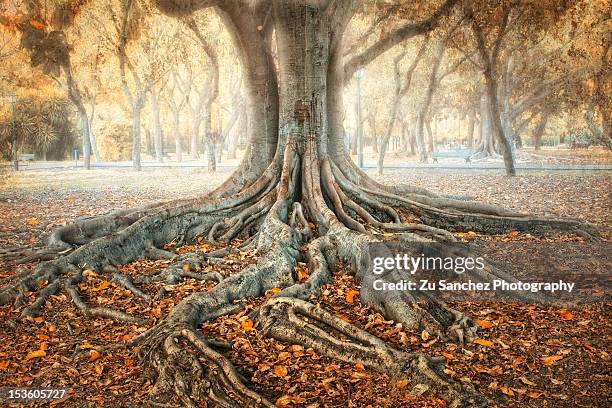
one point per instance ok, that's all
(296, 195)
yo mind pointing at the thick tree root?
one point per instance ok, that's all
(296, 321)
(202, 377)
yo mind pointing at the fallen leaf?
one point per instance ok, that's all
(550, 360)
(35, 354)
(527, 382)
(37, 24)
(103, 286)
(247, 325)
(350, 295)
(4, 365)
(507, 391)
(94, 355)
(448, 355)
(484, 323)
(425, 335)
(534, 394)
(566, 315)
(401, 383)
(287, 400)
(281, 370)
(483, 342)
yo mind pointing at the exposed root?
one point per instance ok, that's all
(198, 377)
(297, 321)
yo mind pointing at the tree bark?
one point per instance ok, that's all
(136, 162)
(539, 130)
(157, 127)
(470, 130)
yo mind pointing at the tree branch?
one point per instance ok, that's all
(395, 37)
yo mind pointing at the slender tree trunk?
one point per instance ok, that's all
(85, 137)
(157, 127)
(431, 136)
(423, 112)
(470, 130)
(15, 150)
(178, 147)
(136, 162)
(540, 128)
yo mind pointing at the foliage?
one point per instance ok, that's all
(39, 125)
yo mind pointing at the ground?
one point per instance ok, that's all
(527, 356)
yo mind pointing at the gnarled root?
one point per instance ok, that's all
(297, 321)
(197, 377)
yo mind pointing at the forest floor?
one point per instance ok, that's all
(527, 355)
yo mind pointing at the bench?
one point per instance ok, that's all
(27, 157)
(450, 154)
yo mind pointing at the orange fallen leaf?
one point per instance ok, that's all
(281, 370)
(566, 315)
(37, 24)
(484, 323)
(272, 291)
(350, 295)
(32, 221)
(94, 355)
(507, 391)
(286, 400)
(483, 342)
(388, 234)
(103, 286)
(44, 346)
(550, 360)
(4, 365)
(186, 267)
(35, 354)
(247, 325)
(534, 394)
(401, 383)
(448, 356)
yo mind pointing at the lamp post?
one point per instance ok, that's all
(360, 76)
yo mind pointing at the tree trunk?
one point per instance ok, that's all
(506, 145)
(15, 149)
(157, 127)
(431, 137)
(424, 110)
(85, 137)
(539, 130)
(136, 112)
(470, 130)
